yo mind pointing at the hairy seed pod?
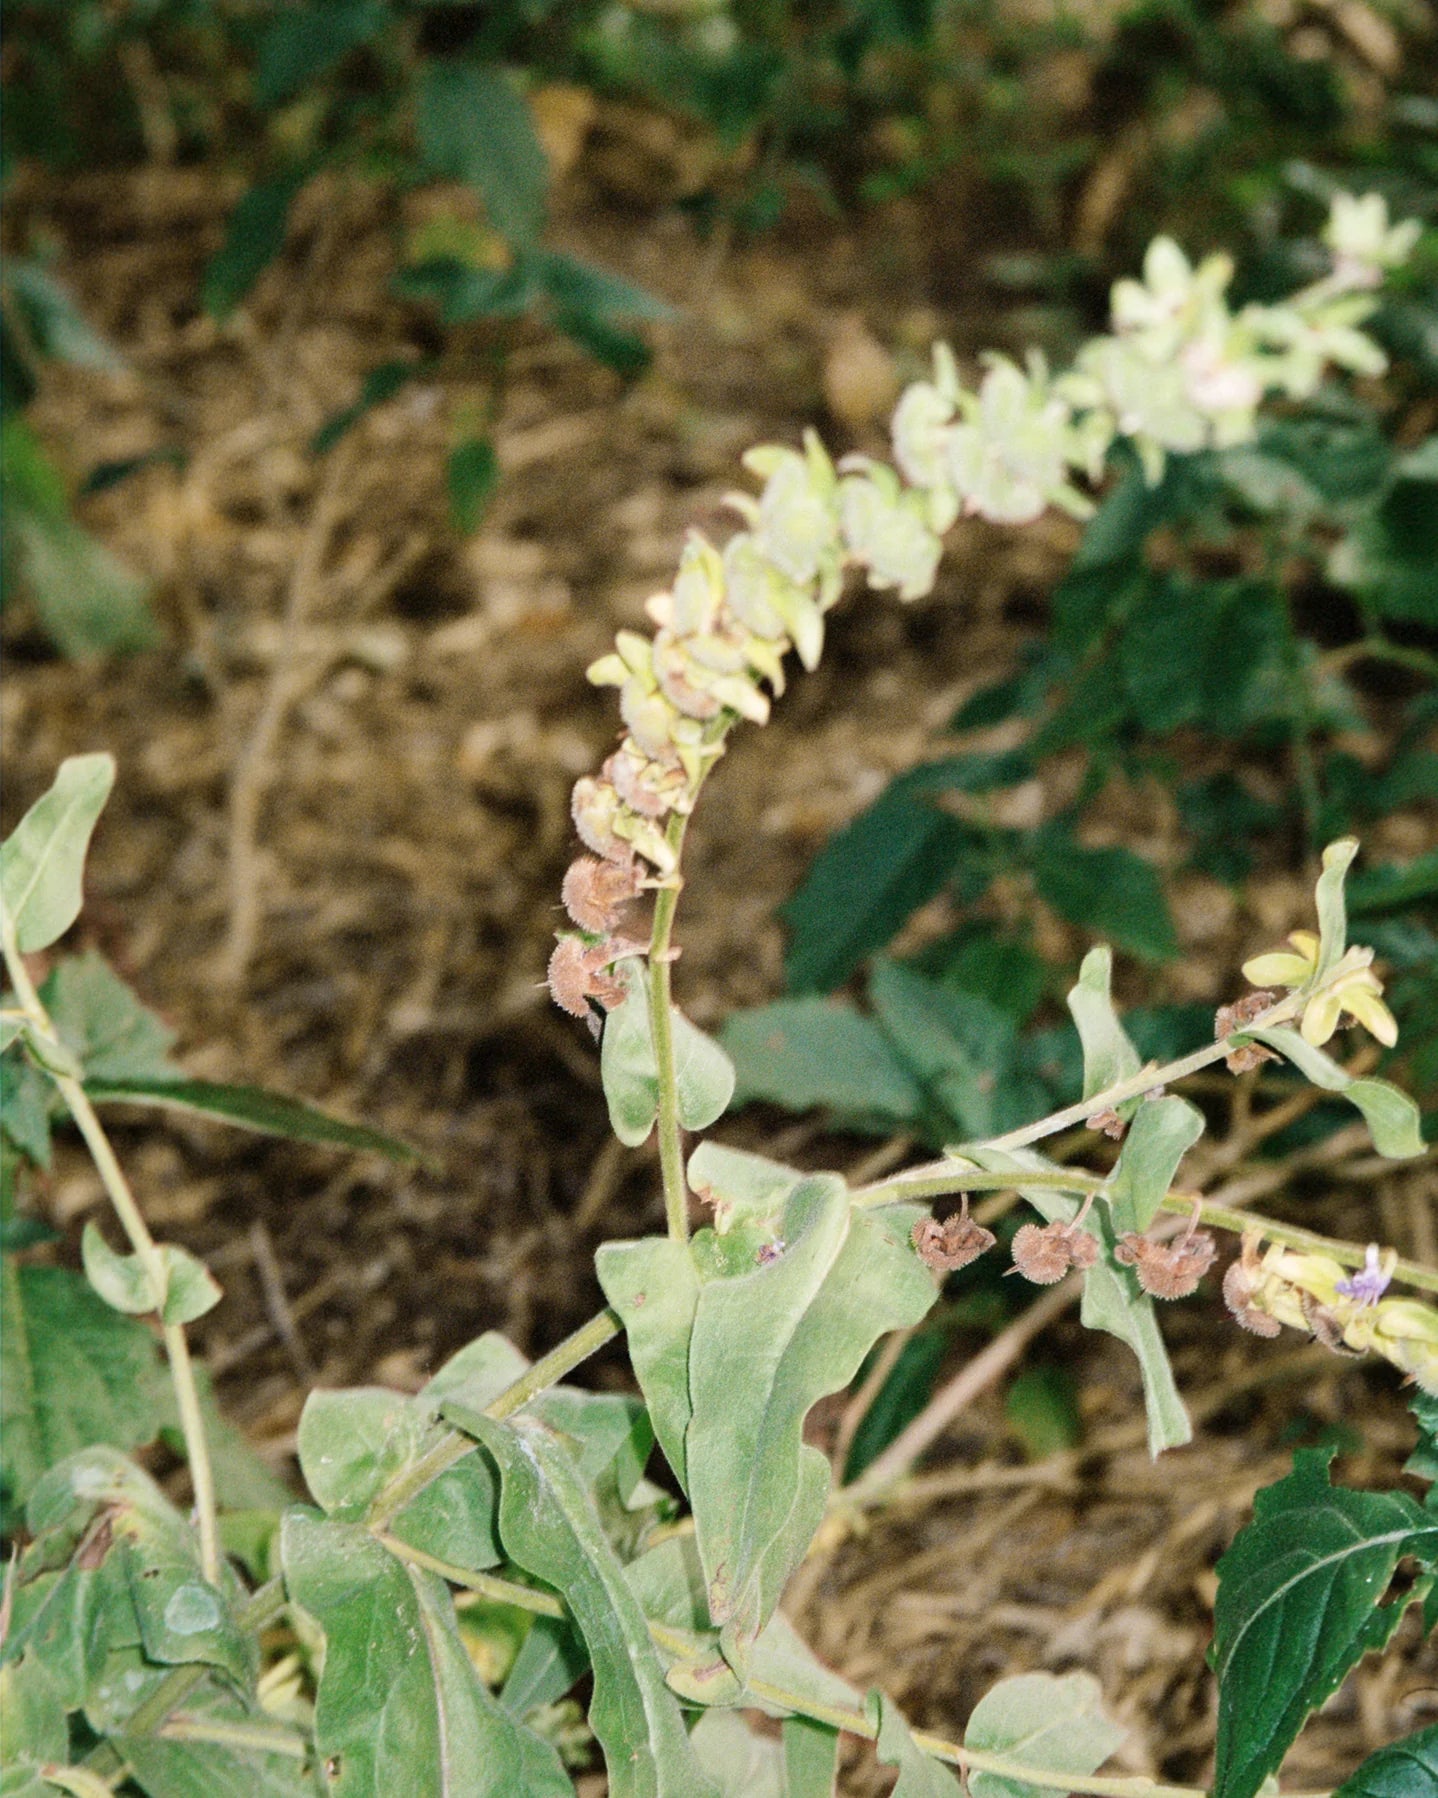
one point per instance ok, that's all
(1238, 1294)
(1168, 1270)
(951, 1244)
(595, 892)
(1231, 1018)
(1044, 1253)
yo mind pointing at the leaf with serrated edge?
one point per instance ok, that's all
(1108, 1055)
(1297, 1609)
(920, 1775)
(1049, 1723)
(1112, 1298)
(1406, 1769)
(400, 1707)
(767, 1344)
(1391, 1116)
(42, 861)
(1161, 1134)
(549, 1527)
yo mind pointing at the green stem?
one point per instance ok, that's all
(488, 1585)
(112, 1176)
(454, 1445)
(671, 1149)
(1218, 1217)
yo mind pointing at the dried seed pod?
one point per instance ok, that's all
(579, 972)
(595, 892)
(1240, 1284)
(1326, 1327)
(1168, 1270)
(951, 1244)
(1044, 1253)
(1108, 1123)
(1231, 1018)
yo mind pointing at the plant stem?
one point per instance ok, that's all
(488, 1585)
(1218, 1217)
(117, 1187)
(671, 1151)
(454, 1445)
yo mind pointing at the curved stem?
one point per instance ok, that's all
(671, 1150)
(147, 1252)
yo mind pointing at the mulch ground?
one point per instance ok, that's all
(333, 855)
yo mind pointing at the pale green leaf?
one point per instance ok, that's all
(1391, 1116)
(256, 1757)
(400, 1707)
(703, 1073)
(920, 1775)
(1161, 1134)
(802, 1053)
(32, 1726)
(42, 861)
(740, 1763)
(549, 1527)
(811, 1758)
(1055, 1725)
(1328, 897)
(1298, 1607)
(96, 1016)
(1108, 1055)
(654, 1286)
(190, 1289)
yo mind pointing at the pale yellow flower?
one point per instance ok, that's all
(1352, 987)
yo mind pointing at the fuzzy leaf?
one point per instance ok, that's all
(121, 1280)
(920, 1776)
(400, 1706)
(42, 861)
(550, 1528)
(741, 1763)
(167, 1768)
(1391, 1116)
(74, 1373)
(703, 1073)
(1298, 1607)
(773, 1333)
(1162, 1133)
(653, 1284)
(1052, 1724)
(1406, 1769)
(811, 1758)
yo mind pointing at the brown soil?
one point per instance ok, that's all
(333, 856)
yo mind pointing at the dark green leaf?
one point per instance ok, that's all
(42, 861)
(1406, 1769)
(106, 475)
(464, 294)
(380, 384)
(1106, 892)
(802, 1053)
(252, 1108)
(255, 237)
(899, 1400)
(1041, 1408)
(551, 1659)
(978, 958)
(72, 1373)
(866, 882)
(549, 1527)
(400, 1707)
(303, 43)
(1390, 886)
(471, 473)
(474, 127)
(1298, 1607)
(957, 1046)
(26, 1100)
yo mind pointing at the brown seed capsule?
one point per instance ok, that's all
(595, 892)
(1045, 1253)
(579, 972)
(951, 1244)
(1168, 1270)
(1239, 1286)
(1231, 1018)
(1325, 1326)
(1108, 1123)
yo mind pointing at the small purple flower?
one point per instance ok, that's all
(1368, 1286)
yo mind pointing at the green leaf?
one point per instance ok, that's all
(72, 1373)
(182, 1617)
(97, 1016)
(1328, 898)
(1108, 892)
(1298, 1607)
(42, 861)
(1108, 1055)
(255, 237)
(471, 474)
(1406, 1769)
(958, 1046)
(740, 1763)
(26, 1099)
(380, 384)
(900, 1399)
(772, 1335)
(920, 1776)
(1112, 1297)
(1205, 652)
(251, 1108)
(32, 1727)
(400, 1706)
(551, 1659)
(811, 1758)
(1041, 1408)
(122, 1281)
(88, 601)
(1052, 1724)
(802, 1053)
(1161, 1134)
(550, 1528)
(703, 1073)
(865, 882)
(269, 1764)
(302, 44)
(1391, 886)
(1391, 1116)
(56, 325)
(577, 286)
(473, 126)
(654, 1286)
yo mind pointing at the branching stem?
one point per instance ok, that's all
(147, 1252)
